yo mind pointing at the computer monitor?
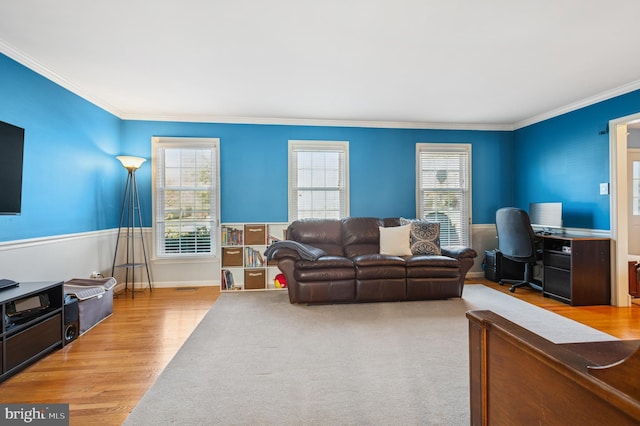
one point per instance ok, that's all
(545, 215)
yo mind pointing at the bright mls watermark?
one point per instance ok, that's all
(36, 414)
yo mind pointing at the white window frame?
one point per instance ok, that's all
(158, 146)
(341, 147)
(462, 186)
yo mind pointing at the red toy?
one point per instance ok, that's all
(280, 281)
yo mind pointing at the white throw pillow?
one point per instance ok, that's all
(395, 240)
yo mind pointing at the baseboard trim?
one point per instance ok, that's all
(475, 274)
(141, 286)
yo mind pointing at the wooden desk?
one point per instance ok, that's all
(517, 377)
(577, 270)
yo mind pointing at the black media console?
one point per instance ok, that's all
(32, 324)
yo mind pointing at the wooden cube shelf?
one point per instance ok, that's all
(243, 266)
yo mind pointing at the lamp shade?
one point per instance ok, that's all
(131, 163)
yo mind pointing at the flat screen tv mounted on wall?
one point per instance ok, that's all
(11, 155)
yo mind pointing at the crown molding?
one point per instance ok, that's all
(316, 122)
(29, 62)
(609, 94)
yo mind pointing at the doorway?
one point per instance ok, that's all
(633, 195)
(619, 207)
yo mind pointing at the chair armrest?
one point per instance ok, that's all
(459, 252)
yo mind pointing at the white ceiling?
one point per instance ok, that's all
(454, 63)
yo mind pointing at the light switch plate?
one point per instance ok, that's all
(604, 188)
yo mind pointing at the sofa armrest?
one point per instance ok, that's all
(465, 255)
(279, 253)
(287, 267)
(293, 249)
(459, 252)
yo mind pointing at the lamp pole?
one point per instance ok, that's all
(131, 209)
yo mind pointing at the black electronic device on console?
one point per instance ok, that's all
(28, 305)
(6, 283)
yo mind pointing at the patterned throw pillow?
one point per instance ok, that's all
(424, 236)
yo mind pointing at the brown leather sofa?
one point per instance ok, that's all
(339, 261)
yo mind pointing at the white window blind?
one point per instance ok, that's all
(318, 179)
(443, 189)
(185, 196)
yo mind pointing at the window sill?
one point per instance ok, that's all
(185, 259)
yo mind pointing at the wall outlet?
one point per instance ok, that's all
(604, 188)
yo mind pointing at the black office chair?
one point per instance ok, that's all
(517, 242)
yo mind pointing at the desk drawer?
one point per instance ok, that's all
(557, 282)
(557, 260)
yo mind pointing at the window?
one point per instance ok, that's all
(185, 172)
(443, 189)
(318, 179)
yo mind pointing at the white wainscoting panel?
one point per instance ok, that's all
(483, 237)
(57, 258)
(64, 257)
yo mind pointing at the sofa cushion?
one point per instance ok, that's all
(431, 260)
(325, 262)
(326, 268)
(379, 267)
(324, 275)
(429, 266)
(325, 234)
(391, 221)
(425, 236)
(360, 235)
(367, 260)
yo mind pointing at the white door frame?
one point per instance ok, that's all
(633, 159)
(618, 207)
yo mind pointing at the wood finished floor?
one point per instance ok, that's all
(106, 372)
(623, 323)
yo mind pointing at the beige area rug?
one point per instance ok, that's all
(255, 359)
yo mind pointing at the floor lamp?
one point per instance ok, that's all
(130, 221)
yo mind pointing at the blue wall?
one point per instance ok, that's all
(254, 160)
(70, 182)
(567, 157)
(73, 183)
